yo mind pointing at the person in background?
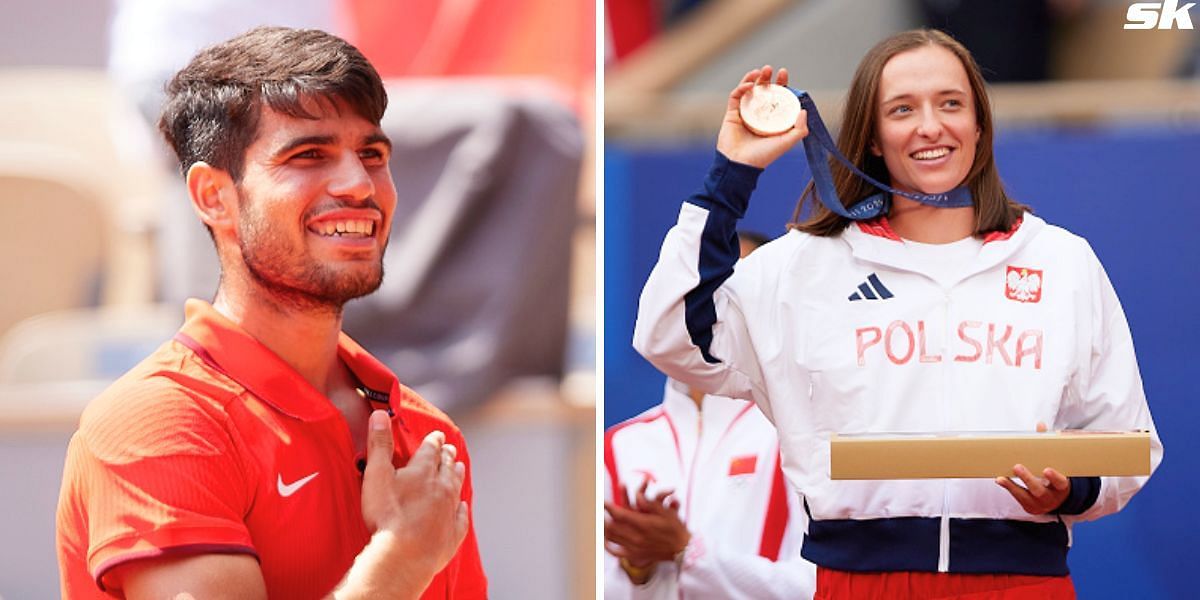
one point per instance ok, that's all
(695, 501)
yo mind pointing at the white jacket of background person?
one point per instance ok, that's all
(722, 463)
(853, 333)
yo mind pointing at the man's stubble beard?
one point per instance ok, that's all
(293, 278)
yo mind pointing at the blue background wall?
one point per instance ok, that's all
(1133, 192)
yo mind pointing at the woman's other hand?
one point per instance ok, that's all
(1040, 495)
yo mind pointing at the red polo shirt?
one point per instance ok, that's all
(214, 445)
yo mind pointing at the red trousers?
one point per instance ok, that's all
(912, 585)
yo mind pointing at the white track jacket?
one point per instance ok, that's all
(851, 334)
(722, 463)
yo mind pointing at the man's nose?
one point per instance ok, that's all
(350, 180)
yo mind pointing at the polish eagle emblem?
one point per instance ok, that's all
(1022, 284)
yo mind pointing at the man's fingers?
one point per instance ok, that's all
(782, 77)
(661, 496)
(619, 513)
(616, 513)
(435, 439)
(429, 451)
(621, 533)
(379, 441)
(641, 493)
(451, 474)
(462, 522)
(614, 530)
(640, 501)
(642, 504)
(616, 550)
(448, 454)
(660, 504)
(627, 517)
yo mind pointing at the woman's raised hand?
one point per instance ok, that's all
(738, 143)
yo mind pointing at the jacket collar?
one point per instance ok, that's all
(875, 242)
(718, 413)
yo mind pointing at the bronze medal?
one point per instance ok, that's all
(769, 109)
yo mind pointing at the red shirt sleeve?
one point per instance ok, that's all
(151, 473)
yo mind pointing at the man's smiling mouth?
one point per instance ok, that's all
(358, 228)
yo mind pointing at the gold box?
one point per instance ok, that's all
(987, 454)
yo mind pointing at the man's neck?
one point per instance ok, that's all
(307, 340)
(918, 222)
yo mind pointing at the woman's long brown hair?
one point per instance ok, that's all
(994, 210)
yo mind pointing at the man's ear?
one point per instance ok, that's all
(213, 195)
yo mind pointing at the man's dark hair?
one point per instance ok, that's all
(213, 105)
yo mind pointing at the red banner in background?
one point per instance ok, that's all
(555, 39)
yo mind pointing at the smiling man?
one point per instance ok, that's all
(261, 452)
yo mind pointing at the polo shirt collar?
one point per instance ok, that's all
(231, 350)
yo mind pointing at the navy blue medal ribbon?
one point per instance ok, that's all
(819, 145)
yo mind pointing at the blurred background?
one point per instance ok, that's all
(1098, 129)
(488, 308)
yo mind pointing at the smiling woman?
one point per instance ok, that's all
(909, 88)
(927, 129)
(798, 327)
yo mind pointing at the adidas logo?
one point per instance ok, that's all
(871, 289)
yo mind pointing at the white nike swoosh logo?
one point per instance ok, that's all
(287, 489)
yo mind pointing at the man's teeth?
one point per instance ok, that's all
(931, 154)
(349, 228)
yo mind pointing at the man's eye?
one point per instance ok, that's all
(308, 154)
(372, 155)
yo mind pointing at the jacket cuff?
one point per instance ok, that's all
(1084, 492)
(691, 554)
(728, 185)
